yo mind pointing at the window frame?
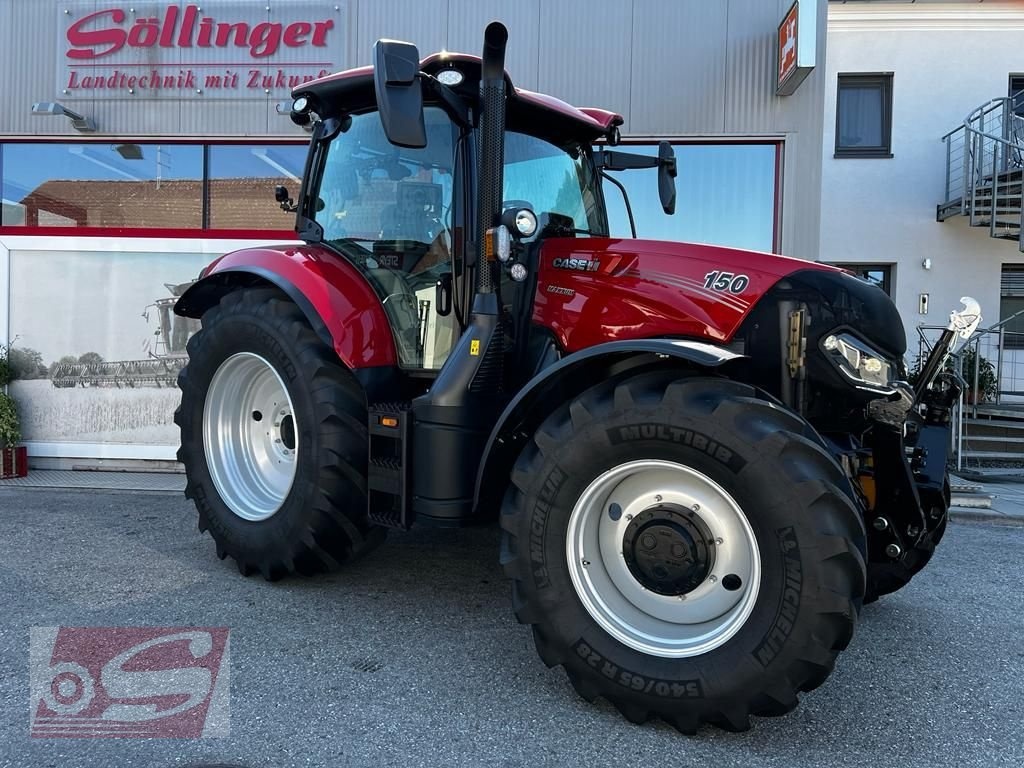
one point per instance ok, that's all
(888, 268)
(884, 82)
(204, 231)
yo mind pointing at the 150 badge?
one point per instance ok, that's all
(726, 281)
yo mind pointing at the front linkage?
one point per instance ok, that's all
(910, 445)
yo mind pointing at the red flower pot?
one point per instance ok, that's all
(13, 462)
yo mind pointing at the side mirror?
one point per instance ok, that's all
(396, 69)
(667, 177)
(284, 199)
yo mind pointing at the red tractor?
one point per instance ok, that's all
(703, 460)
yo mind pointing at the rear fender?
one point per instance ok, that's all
(339, 303)
(567, 378)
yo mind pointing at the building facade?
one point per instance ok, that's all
(906, 187)
(140, 140)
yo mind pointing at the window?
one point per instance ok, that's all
(725, 195)
(147, 185)
(1017, 94)
(876, 274)
(1011, 304)
(242, 181)
(102, 185)
(550, 179)
(864, 116)
(389, 211)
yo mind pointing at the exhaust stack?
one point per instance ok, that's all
(491, 146)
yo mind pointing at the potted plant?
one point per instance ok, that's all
(13, 458)
(987, 383)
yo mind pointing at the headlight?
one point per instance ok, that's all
(867, 368)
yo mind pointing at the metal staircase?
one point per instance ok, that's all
(985, 170)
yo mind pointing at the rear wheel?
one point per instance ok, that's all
(273, 439)
(684, 549)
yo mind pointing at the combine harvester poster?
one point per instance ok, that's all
(100, 349)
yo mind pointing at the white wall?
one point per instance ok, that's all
(947, 59)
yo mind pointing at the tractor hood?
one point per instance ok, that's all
(600, 289)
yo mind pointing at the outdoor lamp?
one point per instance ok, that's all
(78, 122)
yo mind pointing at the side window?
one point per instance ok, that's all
(389, 211)
(550, 179)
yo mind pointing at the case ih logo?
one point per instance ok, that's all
(146, 682)
(219, 49)
(105, 32)
(579, 265)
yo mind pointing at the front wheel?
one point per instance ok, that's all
(273, 439)
(685, 549)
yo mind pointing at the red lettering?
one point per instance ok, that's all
(144, 33)
(167, 30)
(264, 39)
(241, 30)
(320, 32)
(183, 26)
(295, 34)
(79, 37)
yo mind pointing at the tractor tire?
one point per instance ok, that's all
(889, 577)
(614, 508)
(273, 439)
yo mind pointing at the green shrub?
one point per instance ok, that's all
(10, 432)
(6, 374)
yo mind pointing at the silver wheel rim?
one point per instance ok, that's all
(672, 626)
(249, 436)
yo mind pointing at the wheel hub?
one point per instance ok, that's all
(663, 558)
(669, 550)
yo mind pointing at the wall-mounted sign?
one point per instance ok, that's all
(796, 45)
(220, 49)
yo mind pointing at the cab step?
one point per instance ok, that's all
(389, 490)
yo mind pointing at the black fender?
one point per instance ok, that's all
(567, 378)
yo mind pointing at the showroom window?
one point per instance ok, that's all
(242, 180)
(726, 194)
(103, 185)
(147, 185)
(876, 274)
(864, 115)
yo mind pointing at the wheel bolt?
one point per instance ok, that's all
(880, 524)
(719, 540)
(586, 563)
(695, 507)
(657, 497)
(893, 550)
(712, 578)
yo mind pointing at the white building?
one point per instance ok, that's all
(899, 77)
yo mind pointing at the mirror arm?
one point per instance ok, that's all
(453, 105)
(613, 160)
(625, 199)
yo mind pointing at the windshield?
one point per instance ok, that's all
(389, 211)
(551, 179)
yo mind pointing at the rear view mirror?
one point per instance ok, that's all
(667, 177)
(396, 69)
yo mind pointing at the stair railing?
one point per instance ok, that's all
(1003, 342)
(980, 152)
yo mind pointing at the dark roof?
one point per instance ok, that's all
(352, 91)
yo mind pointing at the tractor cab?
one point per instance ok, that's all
(401, 203)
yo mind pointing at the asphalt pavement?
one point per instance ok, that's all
(412, 657)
